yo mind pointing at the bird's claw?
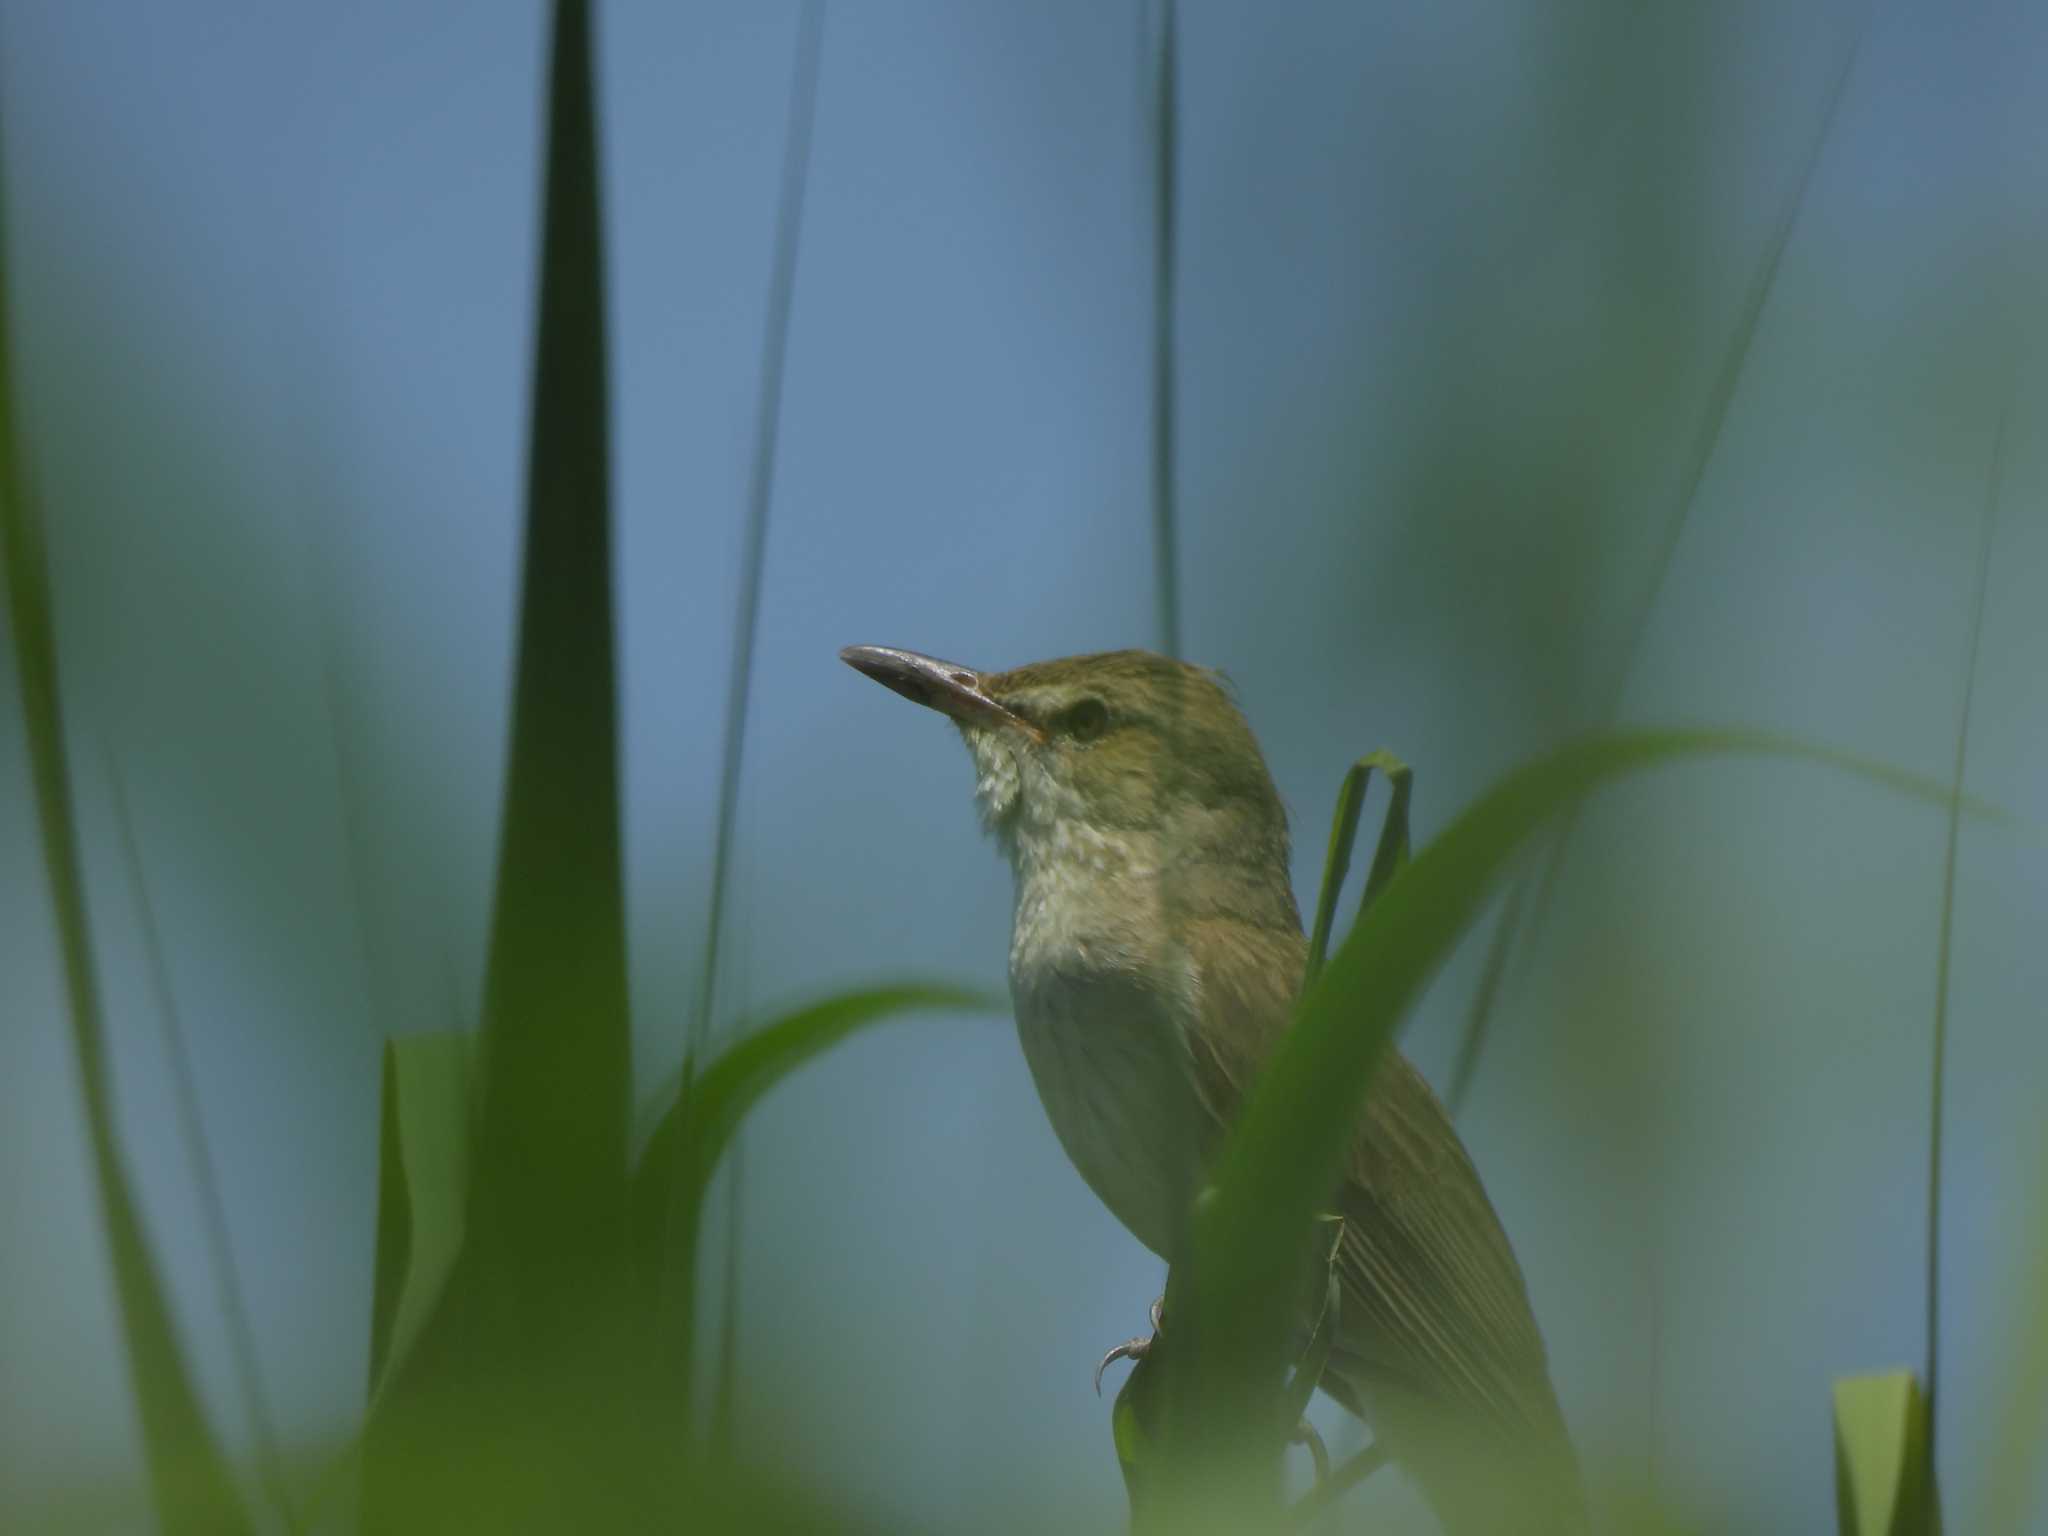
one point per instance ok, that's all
(1130, 1349)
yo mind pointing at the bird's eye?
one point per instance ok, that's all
(1086, 720)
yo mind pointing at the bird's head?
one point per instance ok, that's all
(1122, 749)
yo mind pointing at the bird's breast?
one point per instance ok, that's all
(1110, 1060)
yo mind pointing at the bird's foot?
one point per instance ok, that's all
(1130, 1349)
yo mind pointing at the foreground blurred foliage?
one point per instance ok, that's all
(192, 1488)
(531, 1340)
(542, 1383)
(535, 1291)
(1218, 1438)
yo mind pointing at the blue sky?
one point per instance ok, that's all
(1457, 295)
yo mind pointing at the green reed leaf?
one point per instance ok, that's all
(520, 1400)
(676, 1167)
(1276, 1168)
(1388, 856)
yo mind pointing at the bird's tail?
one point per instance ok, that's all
(1486, 1478)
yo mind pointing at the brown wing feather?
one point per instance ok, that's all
(1434, 1303)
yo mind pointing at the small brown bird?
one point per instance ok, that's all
(1155, 958)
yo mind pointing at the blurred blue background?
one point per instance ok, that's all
(1463, 290)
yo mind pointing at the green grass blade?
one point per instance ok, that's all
(1308, 1370)
(1883, 1483)
(422, 1188)
(190, 1483)
(234, 1308)
(1389, 855)
(676, 1168)
(521, 1401)
(1391, 852)
(549, 1186)
(1276, 1167)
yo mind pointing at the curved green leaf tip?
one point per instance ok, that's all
(1388, 857)
(694, 1131)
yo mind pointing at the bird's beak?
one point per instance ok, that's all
(946, 686)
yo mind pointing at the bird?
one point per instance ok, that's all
(1156, 954)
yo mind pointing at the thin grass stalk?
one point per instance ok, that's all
(1467, 1060)
(191, 1487)
(1938, 1045)
(803, 102)
(1165, 267)
(355, 839)
(1705, 443)
(234, 1307)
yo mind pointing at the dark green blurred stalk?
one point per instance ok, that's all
(552, 1132)
(190, 1483)
(523, 1403)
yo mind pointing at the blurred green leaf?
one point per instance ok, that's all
(1233, 1304)
(1881, 1457)
(422, 1188)
(190, 1482)
(553, 1061)
(676, 1168)
(1134, 1428)
(1308, 1370)
(521, 1399)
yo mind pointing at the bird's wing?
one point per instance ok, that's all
(1434, 1302)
